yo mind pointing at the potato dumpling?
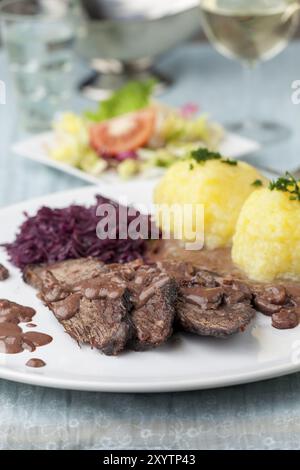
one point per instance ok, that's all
(219, 186)
(266, 244)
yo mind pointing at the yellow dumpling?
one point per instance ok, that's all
(267, 240)
(220, 187)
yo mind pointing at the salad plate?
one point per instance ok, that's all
(35, 148)
(185, 363)
(129, 136)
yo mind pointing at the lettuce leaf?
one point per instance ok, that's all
(131, 97)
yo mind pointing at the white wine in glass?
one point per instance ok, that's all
(251, 31)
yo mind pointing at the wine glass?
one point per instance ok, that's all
(250, 32)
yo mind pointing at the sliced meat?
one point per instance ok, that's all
(4, 273)
(135, 305)
(207, 279)
(179, 271)
(51, 289)
(153, 320)
(101, 323)
(87, 298)
(66, 308)
(68, 272)
(212, 308)
(154, 296)
(97, 313)
(220, 322)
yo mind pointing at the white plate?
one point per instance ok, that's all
(35, 148)
(187, 363)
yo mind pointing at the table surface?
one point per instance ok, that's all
(264, 415)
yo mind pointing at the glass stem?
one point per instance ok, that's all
(249, 93)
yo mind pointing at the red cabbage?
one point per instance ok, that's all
(60, 234)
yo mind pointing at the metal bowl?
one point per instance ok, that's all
(121, 44)
(129, 39)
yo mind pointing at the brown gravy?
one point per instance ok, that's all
(37, 338)
(285, 312)
(12, 312)
(12, 338)
(35, 362)
(218, 260)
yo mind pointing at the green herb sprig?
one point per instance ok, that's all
(287, 184)
(202, 155)
(257, 183)
(229, 162)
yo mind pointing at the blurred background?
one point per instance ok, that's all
(120, 40)
(66, 55)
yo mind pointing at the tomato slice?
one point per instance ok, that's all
(125, 133)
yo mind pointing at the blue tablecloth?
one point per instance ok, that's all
(265, 415)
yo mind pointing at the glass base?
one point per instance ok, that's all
(263, 132)
(108, 76)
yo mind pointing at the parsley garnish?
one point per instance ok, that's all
(229, 162)
(202, 155)
(287, 184)
(257, 183)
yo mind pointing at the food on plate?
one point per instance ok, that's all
(59, 234)
(280, 300)
(119, 306)
(210, 304)
(131, 133)
(136, 305)
(72, 145)
(13, 339)
(125, 133)
(266, 244)
(207, 180)
(4, 273)
(122, 294)
(65, 272)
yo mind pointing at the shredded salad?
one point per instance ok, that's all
(131, 134)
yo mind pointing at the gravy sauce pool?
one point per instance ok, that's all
(218, 260)
(12, 338)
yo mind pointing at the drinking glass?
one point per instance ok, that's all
(251, 32)
(39, 40)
